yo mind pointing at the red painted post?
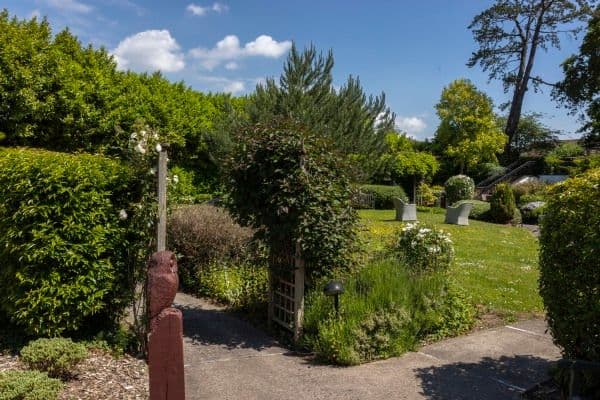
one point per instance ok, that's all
(165, 339)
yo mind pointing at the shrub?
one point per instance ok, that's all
(532, 212)
(383, 196)
(56, 356)
(502, 204)
(384, 312)
(183, 190)
(28, 385)
(569, 253)
(202, 235)
(532, 190)
(240, 286)
(459, 187)
(68, 245)
(423, 248)
(429, 195)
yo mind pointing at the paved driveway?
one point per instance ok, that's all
(226, 358)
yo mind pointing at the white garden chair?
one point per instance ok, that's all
(458, 215)
(405, 211)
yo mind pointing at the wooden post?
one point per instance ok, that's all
(162, 201)
(298, 291)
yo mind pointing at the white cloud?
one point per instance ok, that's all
(232, 65)
(201, 11)
(197, 10)
(411, 125)
(234, 87)
(35, 13)
(219, 8)
(149, 51)
(70, 6)
(229, 49)
(223, 84)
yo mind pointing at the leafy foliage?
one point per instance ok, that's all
(569, 253)
(468, 133)
(56, 356)
(28, 385)
(502, 203)
(355, 123)
(561, 159)
(383, 196)
(510, 33)
(531, 134)
(203, 235)
(69, 250)
(580, 87)
(429, 196)
(423, 248)
(384, 312)
(286, 183)
(459, 187)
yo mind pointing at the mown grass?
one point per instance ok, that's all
(495, 264)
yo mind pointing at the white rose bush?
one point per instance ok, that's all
(423, 248)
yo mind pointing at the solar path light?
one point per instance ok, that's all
(334, 288)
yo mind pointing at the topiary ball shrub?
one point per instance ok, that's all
(383, 196)
(202, 235)
(28, 385)
(459, 187)
(56, 356)
(424, 248)
(569, 268)
(67, 244)
(502, 204)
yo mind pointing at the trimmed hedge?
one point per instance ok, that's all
(569, 270)
(383, 195)
(64, 239)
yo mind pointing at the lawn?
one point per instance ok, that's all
(495, 264)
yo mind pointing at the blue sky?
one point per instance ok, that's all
(408, 49)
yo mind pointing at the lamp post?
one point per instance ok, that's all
(334, 288)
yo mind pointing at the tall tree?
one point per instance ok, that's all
(509, 34)
(355, 122)
(531, 134)
(468, 133)
(580, 89)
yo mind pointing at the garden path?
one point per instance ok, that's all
(227, 358)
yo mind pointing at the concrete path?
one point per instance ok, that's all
(226, 358)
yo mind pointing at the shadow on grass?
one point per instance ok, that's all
(488, 379)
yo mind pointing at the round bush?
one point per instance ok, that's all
(424, 248)
(459, 187)
(202, 235)
(28, 385)
(502, 204)
(570, 274)
(56, 356)
(66, 239)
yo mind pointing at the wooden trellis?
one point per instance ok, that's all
(286, 303)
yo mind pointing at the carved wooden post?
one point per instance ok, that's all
(165, 340)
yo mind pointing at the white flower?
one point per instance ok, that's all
(175, 179)
(155, 136)
(158, 148)
(133, 136)
(143, 133)
(122, 215)
(152, 171)
(140, 149)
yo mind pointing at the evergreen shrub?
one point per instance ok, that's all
(383, 196)
(55, 356)
(28, 385)
(502, 204)
(569, 272)
(459, 187)
(66, 242)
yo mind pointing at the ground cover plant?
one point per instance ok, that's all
(56, 356)
(495, 264)
(28, 385)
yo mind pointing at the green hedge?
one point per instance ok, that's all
(65, 240)
(569, 271)
(383, 195)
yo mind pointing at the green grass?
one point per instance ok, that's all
(495, 264)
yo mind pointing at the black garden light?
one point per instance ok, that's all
(335, 288)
